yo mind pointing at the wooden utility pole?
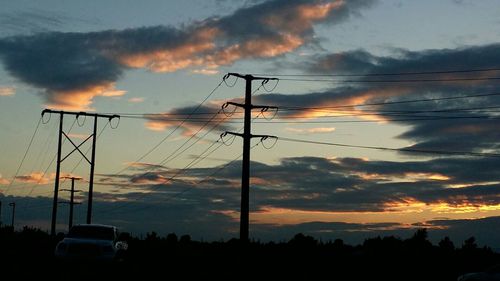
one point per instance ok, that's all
(71, 200)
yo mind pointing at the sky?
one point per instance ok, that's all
(411, 87)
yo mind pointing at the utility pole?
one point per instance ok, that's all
(247, 136)
(71, 200)
(58, 173)
(76, 148)
(13, 205)
(0, 213)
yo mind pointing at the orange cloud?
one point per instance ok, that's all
(81, 99)
(256, 48)
(87, 64)
(311, 130)
(173, 59)
(7, 91)
(340, 105)
(207, 45)
(136, 100)
(78, 136)
(178, 117)
(463, 208)
(299, 18)
(3, 181)
(35, 177)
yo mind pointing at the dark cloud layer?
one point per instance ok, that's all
(464, 134)
(332, 185)
(71, 69)
(200, 222)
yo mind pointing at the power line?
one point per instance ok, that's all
(392, 102)
(64, 178)
(24, 156)
(290, 108)
(194, 162)
(23, 210)
(411, 150)
(414, 118)
(196, 184)
(76, 166)
(50, 164)
(395, 81)
(423, 118)
(355, 113)
(158, 185)
(171, 156)
(174, 130)
(385, 74)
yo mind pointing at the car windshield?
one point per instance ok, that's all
(92, 232)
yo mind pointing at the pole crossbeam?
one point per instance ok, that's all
(80, 113)
(247, 136)
(76, 148)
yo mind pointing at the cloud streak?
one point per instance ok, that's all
(3, 181)
(340, 185)
(324, 130)
(7, 91)
(35, 177)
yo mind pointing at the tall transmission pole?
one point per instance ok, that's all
(247, 136)
(71, 200)
(76, 148)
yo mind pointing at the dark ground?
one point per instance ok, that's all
(29, 253)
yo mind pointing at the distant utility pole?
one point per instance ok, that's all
(0, 213)
(13, 205)
(247, 136)
(71, 200)
(76, 148)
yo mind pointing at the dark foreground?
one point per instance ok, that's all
(29, 253)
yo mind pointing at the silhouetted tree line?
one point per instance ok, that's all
(302, 257)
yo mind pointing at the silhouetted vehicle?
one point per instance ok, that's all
(490, 274)
(93, 242)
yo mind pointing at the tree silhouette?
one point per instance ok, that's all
(470, 244)
(172, 238)
(302, 240)
(446, 244)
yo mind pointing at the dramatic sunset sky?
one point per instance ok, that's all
(414, 75)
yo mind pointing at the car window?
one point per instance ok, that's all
(92, 232)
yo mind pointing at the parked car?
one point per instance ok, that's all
(91, 242)
(490, 274)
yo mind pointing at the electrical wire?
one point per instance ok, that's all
(183, 170)
(291, 108)
(74, 168)
(45, 172)
(192, 186)
(173, 131)
(165, 181)
(391, 102)
(384, 74)
(24, 156)
(410, 150)
(395, 81)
